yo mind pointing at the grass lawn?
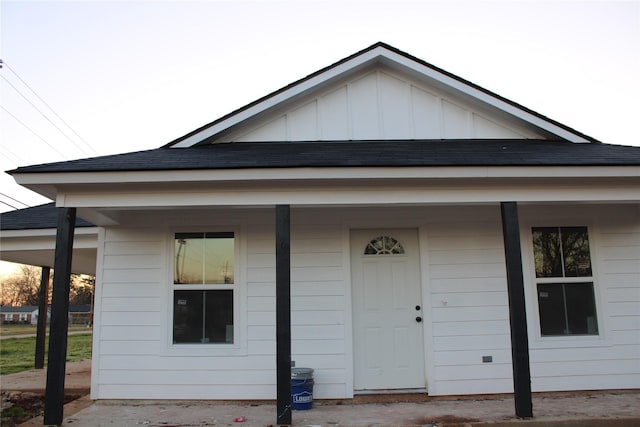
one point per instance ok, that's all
(8, 329)
(18, 354)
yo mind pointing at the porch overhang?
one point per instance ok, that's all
(37, 247)
(104, 197)
(108, 206)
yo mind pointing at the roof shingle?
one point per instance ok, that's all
(37, 217)
(353, 154)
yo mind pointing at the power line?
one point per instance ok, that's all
(43, 115)
(48, 106)
(16, 159)
(32, 131)
(15, 200)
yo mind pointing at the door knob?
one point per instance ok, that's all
(418, 319)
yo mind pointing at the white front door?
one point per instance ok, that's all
(387, 310)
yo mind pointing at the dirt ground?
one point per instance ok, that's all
(19, 406)
(22, 394)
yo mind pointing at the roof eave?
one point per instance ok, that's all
(49, 184)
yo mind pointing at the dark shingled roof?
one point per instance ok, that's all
(239, 155)
(37, 217)
(18, 309)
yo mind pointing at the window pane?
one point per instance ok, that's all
(547, 253)
(203, 316)
(187, 316)
(567, 309)
(575, 246)
(581, 309)
(204, 258)
(219, 254)
(551, 309)
(189, 258)
(219, 316)
(384, 245)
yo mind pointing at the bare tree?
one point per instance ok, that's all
(82, 287)
(21, 288)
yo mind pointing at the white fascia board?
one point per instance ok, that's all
(394, 60)
(484, 97)
(38, 181)
(471, 191)
(38, 232)
(47, 232)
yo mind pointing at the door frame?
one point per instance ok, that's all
(422, 277)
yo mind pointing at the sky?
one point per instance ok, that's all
(88, 78)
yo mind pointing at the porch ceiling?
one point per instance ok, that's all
(84, 260)
(29, 237)
(37, 246)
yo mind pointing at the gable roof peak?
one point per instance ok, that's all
(394, 59)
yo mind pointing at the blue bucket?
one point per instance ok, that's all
(301, 388)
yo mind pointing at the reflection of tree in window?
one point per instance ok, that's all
(575, 244)
(561, 252)
(547, 252)
(566, 305)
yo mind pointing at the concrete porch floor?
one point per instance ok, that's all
(583, 409)
(568, 409)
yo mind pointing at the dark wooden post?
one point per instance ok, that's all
(54, 397)
(41, 333)
(283, 314)
(517, 311)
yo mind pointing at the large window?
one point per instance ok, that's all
(564, 281)
(203, 288)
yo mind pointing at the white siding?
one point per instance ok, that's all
(380, 104)
(469, 305)
(128, 304)
(610, 360)
(133, 356)
(464, 299)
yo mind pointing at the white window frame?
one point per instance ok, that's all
(536, 339)
(239, 346)
(566, 280)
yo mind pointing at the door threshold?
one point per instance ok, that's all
(390, 391)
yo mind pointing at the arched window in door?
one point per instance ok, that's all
(384, 245)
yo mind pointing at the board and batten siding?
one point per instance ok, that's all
(464, 296)
(379, 104)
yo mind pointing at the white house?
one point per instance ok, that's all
(26, 314)
(398, 177)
